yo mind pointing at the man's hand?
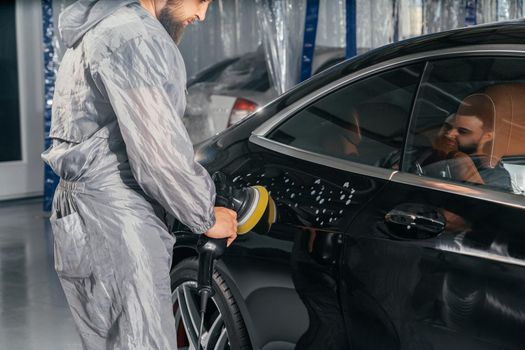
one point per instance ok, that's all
(225, 225)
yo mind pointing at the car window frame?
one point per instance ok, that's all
(259, 135)
(447, 185)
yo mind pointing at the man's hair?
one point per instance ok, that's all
(480, 106)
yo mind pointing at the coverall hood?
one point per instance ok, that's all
(82, 15)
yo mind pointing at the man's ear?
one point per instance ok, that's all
(486, 143)
(487, 136)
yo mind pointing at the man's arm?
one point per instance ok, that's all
(138, 80)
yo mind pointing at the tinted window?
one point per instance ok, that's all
(363, 122)
(469, 123)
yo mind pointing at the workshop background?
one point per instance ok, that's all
(242, 56)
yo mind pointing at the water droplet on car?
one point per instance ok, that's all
(342, 197)
(346, 184)
(318, 181)
(322, 201)
(348, 202)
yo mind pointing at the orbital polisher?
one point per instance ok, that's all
(256, 212)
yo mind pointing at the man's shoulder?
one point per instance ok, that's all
(121, 27)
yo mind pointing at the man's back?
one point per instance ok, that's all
(81, 106)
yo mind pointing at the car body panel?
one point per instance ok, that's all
(465, 286)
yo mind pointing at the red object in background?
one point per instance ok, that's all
(241, 109)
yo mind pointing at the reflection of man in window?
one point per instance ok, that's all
(466, 139)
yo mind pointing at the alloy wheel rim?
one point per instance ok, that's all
(185, 302)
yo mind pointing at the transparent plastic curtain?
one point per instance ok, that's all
(409, 18)
(331, 31)
(498, 10)
(442, 15)
(282, 25)
(375, 23)
(230, 29)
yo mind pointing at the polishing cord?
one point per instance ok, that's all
(205, 295)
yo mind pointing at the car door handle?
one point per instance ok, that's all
(415, 221)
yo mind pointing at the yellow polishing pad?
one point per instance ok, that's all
(272, 215)
(256, 212)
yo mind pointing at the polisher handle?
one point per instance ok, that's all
(209, 249)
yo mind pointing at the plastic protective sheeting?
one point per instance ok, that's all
(410, 18)
(331, 31)
(375, 23)
(282, 25)
(443, 15)
(509, 9)
(449, 14)
(230, 30)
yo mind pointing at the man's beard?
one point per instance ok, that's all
(470, 148)
(174, 29)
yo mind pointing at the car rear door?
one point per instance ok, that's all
(434, 260)
(321, 159)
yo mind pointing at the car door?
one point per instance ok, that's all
(436, 258)
(321, 161)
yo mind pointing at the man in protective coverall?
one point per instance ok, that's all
(125, 161)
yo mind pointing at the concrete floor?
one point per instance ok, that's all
(33, 310)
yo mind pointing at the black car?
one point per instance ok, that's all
(390, 233)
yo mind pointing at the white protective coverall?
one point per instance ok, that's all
(125, 161)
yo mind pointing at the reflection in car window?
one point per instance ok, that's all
(469, 123)
(363, 122)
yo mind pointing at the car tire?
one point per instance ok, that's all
(185, 273)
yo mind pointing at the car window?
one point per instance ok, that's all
(363, 122)
(469, 123)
